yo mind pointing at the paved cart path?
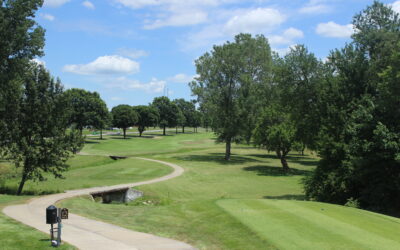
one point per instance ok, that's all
(86, 233)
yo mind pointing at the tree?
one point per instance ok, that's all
(233, 83)
(168, 112)
(124, 116)
(21, 40)
(298, 76)
(275, 132)
(359, 140)
(188, 110)
(86, 109)
(41, 142)
(197, 120)
(147, 116)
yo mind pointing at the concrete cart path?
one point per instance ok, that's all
(91, 234)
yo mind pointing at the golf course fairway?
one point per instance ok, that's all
(314, 225)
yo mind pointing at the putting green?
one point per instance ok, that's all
(313, 225)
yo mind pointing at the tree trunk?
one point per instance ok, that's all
(164, 130)
(183, 129)
(228, 149)
(302, 150)
(282, 157)
(21, 184)
(285, 164)
(101, 134)
(141, 129)
(176, 132)
(124, 129)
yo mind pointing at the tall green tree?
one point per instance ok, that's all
(86, 109)
(147, 116)
(42, 142)
(124, 116)
(298, 76)
(233, 84)
(360, 136)
(21, 40)
(168, 112)
(275, 132)
(188, 109)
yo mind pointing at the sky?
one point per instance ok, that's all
(131, 51)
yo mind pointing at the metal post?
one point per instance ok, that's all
(59, 227)
(52, 232)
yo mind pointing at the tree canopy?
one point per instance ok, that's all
(86, 109)
(359, 139)
(232, 78)
(168, 112)
(21, 40)
(124, 116)
(147, 116)
(41, 142)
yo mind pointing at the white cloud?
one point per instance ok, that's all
(132, 53)
(181, 78)
(332, 29)
(47, 17)
(284, 51)
(105, 65)
(88, 5)
(38, 61)
(255, 21)
(153, 86)
(181, 18)
(315, 7)
(293, 33)
(55, 3)
(396, 6)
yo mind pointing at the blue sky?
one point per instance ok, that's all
(131, 51)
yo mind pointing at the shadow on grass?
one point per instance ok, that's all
(299, 197)
(263, 170)
(217, 158)
(91, 141)
(294, 158)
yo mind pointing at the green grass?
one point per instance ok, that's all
(14, 235)
(247, 203)
(208, 206)
(90, 171)
(85, 171)
(313, 225)
(148, 144)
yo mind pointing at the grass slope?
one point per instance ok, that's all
(313, 225)
(90, 171)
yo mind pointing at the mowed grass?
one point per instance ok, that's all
(199, 207)
(85, 171)
(149, 144)
(14, 235)
(314, 225)
(91, 171)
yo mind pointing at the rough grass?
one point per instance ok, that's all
(14, 235)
